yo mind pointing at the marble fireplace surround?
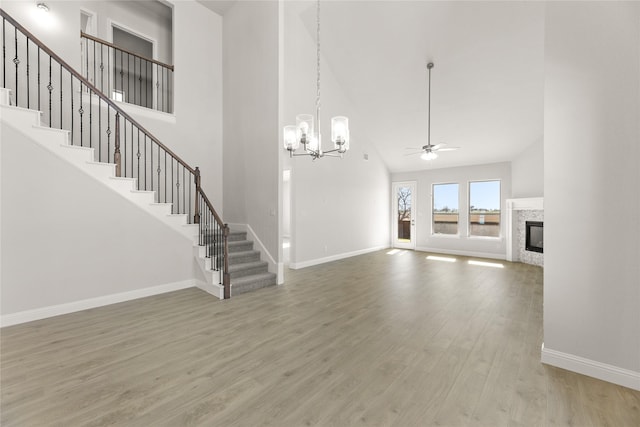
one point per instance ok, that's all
(513, 206)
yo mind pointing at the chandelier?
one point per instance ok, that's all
(304, 131)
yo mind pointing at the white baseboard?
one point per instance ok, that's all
(462, 253)
(71, 307)
(265, 255)
(303, 264)
(211, 288)
(591, 368)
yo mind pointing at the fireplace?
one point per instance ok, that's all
(534, 236)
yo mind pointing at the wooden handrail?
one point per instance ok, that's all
(210, 206)
(106, 43)
(95, 90)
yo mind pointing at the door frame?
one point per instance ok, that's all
(394, 214)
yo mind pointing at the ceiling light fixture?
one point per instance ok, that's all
(43, 7)
(304, 131)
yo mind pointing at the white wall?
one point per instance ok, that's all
(462, 244)
(67, 237)
(592, 187)
(251, 173)
(339, 206)
(151, 19)
(194, 131)
(527, 172)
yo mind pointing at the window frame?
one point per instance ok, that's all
(433, 233)
(473, 236)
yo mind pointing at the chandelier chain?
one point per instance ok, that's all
(318, 59)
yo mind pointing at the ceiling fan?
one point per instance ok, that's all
(429, 151)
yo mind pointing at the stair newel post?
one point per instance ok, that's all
(226, 276)
(116, 154)
(196, 209)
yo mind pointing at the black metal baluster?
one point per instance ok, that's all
(199, 225)
(172, 203)
(165, 177)
(81, 111)
(102, 68)
(28, 79)
(38, 77)
(128, 78)
(178, 187)
(16, 61)
(184, 191)
(140, 80)
(137, 183)
(94, 81)
(159, 170)
(60, 96)
(86, 58)
(146, 84)
(157, 87)
(50, 87)
(109, 94)
(122, 75)
(189, 219)
(145, 161)
(108, 131)
(99, 129)
(4, 55)
(151, 170)
(217, 243)
(138, 159)
(71, 83)
(124, 148)
(91, 118)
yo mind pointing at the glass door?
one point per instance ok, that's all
(404, 211)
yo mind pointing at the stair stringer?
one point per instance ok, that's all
(211, 283)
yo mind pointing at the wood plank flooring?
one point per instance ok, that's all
(373, 340)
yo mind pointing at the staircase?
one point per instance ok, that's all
(248, 272)
(227, 259)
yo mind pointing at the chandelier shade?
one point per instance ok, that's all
(291, 141)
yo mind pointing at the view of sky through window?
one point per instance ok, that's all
(484, 196)
(445, 196)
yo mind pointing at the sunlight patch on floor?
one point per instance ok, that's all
(441, 258)
(486, 264)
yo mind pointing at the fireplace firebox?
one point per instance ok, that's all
(534, 236)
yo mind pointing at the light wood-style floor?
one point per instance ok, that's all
(373, 340)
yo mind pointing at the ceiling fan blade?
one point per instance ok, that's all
(438, 146)
(448, 149)
(412, 148)
(413, 154)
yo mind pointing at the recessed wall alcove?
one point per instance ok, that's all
(519, 211)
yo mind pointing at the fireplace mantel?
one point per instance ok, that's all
(531, 203)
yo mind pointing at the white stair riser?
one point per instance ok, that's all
(4, 96)
(122, 185)
(74, 154)
(160, 208)
(22, 115)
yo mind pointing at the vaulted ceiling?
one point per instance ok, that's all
(487, 83)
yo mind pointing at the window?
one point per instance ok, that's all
(484, 208)
(445, 209)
